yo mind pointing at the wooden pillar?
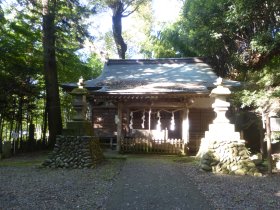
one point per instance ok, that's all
(119, 126)
(185, 127)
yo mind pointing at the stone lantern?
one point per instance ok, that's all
(221, 129)
(220, 106)
(79, 125)
(79, 101)
(222, 150)
(76, 147)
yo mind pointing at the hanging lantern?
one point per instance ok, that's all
(172, 122)
(131, 121)
(143, 120)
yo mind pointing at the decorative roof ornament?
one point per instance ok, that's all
(220, 90)
(219, 81)
(81, 83)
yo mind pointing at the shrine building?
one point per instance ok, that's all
(152, 105)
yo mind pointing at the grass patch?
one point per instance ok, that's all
(110, 168)
(20, 163)
(186, 159)
(23, 160)
(115, 157)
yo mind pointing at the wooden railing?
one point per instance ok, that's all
(144, 145)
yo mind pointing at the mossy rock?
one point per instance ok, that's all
(206, 167)
(240, 172)
(258, 174)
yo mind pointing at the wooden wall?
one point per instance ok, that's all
(105, 127)
(104, 122)
(199, 120)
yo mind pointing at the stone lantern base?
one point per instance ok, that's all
(227, 157)
(75, 152)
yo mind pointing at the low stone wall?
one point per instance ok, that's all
(75, 152)
(228, 157)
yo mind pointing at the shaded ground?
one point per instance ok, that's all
(154, 183)
(24, 185)
(131, 182)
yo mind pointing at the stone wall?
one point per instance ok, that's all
(75, 152)
(228, 157)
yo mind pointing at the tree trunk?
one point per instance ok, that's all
(117, 28)
(261, 133)
(268, 135)
(44, 126)
(50, 70)
(20, 118)
(1, 130)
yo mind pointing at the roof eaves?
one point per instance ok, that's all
(154, 61)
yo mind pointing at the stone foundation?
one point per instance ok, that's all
(75, 152)
(227, 157)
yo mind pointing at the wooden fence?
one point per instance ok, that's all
(144, 145)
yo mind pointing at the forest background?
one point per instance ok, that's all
(44, 43)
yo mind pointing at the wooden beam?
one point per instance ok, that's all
(157, 105)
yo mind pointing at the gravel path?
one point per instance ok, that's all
(146, 182)
(154, 183)
(31, 188)
(237, 192)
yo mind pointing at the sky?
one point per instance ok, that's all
(165, 12)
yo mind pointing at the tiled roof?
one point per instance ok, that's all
(180, 75)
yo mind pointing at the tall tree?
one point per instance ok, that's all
(121, 9)
(22, 86)
(50, 70)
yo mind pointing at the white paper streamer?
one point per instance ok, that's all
(143, 120)
(172, 122)
(131, 121)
